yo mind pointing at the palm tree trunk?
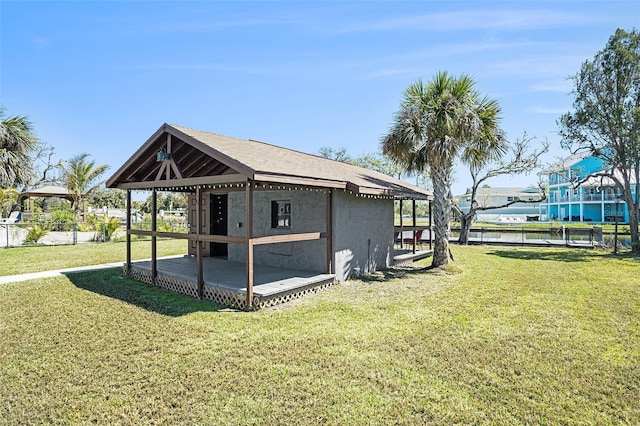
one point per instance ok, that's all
(465, 226)
(441, 215)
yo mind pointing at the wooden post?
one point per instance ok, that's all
(199, 243)
(249, 238)
(401, 228)
(128, 264)
(330, 232)
(154, 229)
(168, 153)
(413, 205)
(430, 225)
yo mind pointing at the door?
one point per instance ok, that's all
(219, 203)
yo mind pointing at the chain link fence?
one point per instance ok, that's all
(49, 233)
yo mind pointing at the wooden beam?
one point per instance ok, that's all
(288, 238)
(169, 154)
(174, 183)
(323, 183)
(175, 168)
(330, 232)
(221, 239)
(401, 226)
(199, 244)
(430, 225)
(154, 228)
(163, 167)
(413, 205)
(191, 237)
(249, 240)
(128, 267)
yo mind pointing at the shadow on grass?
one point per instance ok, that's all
(562, 255)
(111, 283)
(406, 271)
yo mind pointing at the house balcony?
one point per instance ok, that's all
(582, 198)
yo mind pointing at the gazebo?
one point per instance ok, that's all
(49, 191)
(266, 223)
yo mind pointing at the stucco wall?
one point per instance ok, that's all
(363, 234)
(308, 214)
(362, 229)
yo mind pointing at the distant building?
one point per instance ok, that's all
(577, 194)
(517, 212)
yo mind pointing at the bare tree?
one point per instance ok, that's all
(519, 158)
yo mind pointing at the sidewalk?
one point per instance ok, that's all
(57, 272)
(48, 274)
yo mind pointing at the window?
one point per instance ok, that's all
(281, 214)
(509, 199)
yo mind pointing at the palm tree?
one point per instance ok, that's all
(437, 124)
(81, 177)
(8, 198)
(17, 142)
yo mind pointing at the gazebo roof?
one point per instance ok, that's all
(47, 191)
(198, 158)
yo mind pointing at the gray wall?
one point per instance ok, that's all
(308, 214)
(362, 229)
(363, 234)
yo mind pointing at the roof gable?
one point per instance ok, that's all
(199, 154)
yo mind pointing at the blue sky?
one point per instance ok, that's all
(101, 76)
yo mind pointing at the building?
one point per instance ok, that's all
(266, 223)
(517, 212)
(577, 194)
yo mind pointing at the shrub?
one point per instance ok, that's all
(35, 233)
(107, 227)
(63, 220)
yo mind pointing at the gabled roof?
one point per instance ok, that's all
(47, 191)
(199, 157)
(501, 191)
(565, 163)
(599, 180)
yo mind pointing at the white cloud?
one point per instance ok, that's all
(548, 111)
(471, 19)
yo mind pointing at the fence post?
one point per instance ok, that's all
(75, 234)
(7, 228)
(522, 233)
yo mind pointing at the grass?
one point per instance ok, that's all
(22, 260)
(507, 336)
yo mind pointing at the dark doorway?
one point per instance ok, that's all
(219, 203)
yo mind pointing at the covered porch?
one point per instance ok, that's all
(224, 281)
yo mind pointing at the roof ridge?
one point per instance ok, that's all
(275, 146)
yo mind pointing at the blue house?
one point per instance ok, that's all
(577, 194)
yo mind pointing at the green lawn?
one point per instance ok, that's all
(508, 336)
(22, 260)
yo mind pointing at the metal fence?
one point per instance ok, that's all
(556, 236)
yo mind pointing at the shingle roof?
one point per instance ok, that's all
(565, 163)
(599, 180)
(46, 191)
(501, 191)
(258, 161)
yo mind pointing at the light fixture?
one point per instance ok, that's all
(162, 156)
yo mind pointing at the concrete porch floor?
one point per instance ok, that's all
(404, 257)
(268, 281)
